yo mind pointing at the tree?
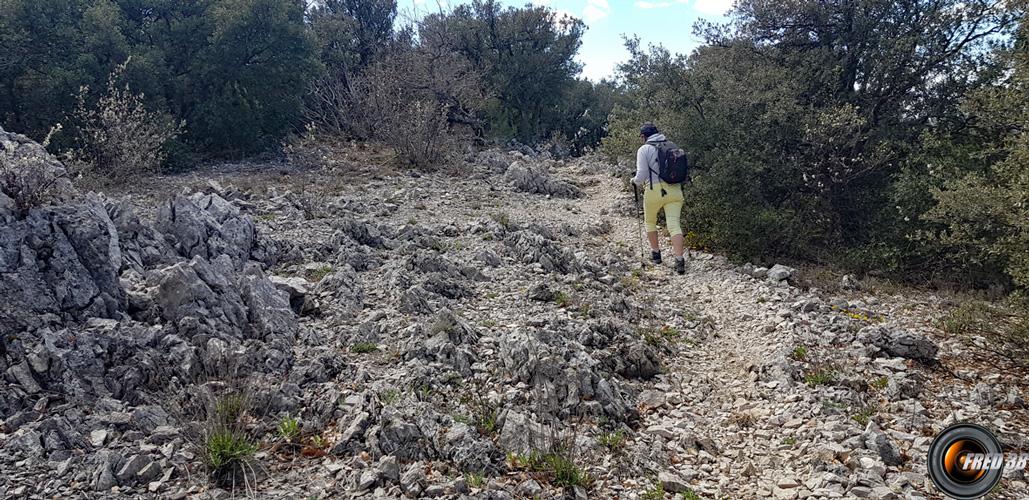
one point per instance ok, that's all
(527, 57)
(252, 75)
(802, 119)
(982, 217)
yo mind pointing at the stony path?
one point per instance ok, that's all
(441, 329)
(736, 425)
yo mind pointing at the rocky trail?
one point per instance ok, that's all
(488, 334)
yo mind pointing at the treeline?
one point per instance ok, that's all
(240, 75)
(879, 135)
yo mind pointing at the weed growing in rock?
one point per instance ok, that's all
(1001, 329)
(879, 383)
(289, 429)
(501, 218)
(317, 274)
(862, 417)
(656, 492)
(389, 396)
(661, 336)
(229, 457)
(230, 408)
(799, 353)
(475, 480)
(819, 376)
(743, 419)
(613, 441)
(558, 468)
(364, 348)
(562, 299)
(789, 441)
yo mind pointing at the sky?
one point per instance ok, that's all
(665, 22)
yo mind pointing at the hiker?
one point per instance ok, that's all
(658, 160)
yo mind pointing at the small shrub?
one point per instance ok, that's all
(789, 441)
(364, 348)
(743, 419)
(1001, 328)
(121, 139)
(501, 218)
(229, 458)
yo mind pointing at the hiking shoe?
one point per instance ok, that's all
(680, 265)
(655, 256)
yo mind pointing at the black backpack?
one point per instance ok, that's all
(673, 166)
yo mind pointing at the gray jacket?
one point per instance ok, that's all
(647, 168)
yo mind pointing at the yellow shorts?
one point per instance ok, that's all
(671, 202)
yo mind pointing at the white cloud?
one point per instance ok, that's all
(595, 10)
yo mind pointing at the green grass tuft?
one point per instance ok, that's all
(364, 348)
(613, 441)
(289, 429)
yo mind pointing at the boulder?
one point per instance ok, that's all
(898, 343)
(534, 178)
(206, 225)
(61, 260)
(779, 273)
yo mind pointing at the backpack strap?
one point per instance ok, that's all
(658, 149)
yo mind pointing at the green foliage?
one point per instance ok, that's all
(475, 480)
(799, 353)
(317, 274)
(228, 456)
(526, 55)
(1001, 329)
(836, 144)
(656, 492)
(879, 383)
(230, 408)
(389, 396)
(562, 299)
(658, 337)
(559, 469)
(864, 415)
(364, 348)
(289, 428)
(613, 441)
(819, 376)
(233, 70)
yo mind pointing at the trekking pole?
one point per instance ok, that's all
(639, 225)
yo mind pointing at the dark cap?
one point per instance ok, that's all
(648, 129)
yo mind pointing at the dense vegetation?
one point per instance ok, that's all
(242, 74)
(880, 135)
(876, 135)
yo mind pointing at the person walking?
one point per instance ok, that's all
(658, 194)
